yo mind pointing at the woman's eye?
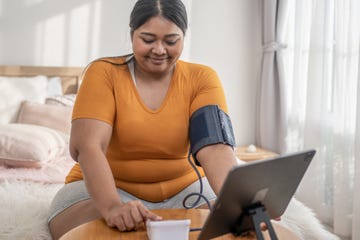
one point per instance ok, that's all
(170, 43)
(148, 41)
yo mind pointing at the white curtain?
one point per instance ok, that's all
(271, 130)
(319, 106)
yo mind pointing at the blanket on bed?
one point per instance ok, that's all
(24, 210)
(50, 172)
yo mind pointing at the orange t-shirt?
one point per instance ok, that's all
(148, 148)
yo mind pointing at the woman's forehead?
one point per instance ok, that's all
(159, 26)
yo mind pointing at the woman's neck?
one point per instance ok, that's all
(150, 76)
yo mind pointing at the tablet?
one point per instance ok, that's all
(271, 182)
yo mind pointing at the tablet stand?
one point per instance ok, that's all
(254, 215)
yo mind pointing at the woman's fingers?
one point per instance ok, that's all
(148, 215)
(130, 216)
(129, 222)
(134, 219)
(117, 222)
(121, 225)
(136, 216)
(263, 226)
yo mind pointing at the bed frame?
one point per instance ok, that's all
(70, 76)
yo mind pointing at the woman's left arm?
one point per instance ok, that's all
(217, 160)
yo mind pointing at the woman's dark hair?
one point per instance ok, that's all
(173, 10)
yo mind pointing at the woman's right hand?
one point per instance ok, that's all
(129, 216)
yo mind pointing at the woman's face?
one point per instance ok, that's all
(157, 45)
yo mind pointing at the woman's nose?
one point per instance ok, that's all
(159, 48)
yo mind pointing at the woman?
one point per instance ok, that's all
(130, 129)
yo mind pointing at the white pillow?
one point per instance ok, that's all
(26, 145)
(14, 90)
(54, 87)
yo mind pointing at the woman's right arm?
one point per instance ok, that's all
(88, 144)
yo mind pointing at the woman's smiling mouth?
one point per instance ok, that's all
(158, 61)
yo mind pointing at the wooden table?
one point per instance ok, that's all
(244, 153)
(98, 229)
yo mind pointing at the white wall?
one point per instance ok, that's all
(224, 34)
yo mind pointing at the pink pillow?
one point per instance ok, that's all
(52, 116)
(25, 145)
(63, 100)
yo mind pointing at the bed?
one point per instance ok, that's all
(35, 111)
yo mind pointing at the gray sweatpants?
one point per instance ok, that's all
(75, 192)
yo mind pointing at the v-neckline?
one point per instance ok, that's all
(138, 96)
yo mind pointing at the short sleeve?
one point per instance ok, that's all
(207, 91)
(95, 98)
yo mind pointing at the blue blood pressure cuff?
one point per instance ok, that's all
(209, 125)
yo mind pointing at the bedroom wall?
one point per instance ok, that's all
(222, 34)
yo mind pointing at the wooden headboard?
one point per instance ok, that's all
(70, 76)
